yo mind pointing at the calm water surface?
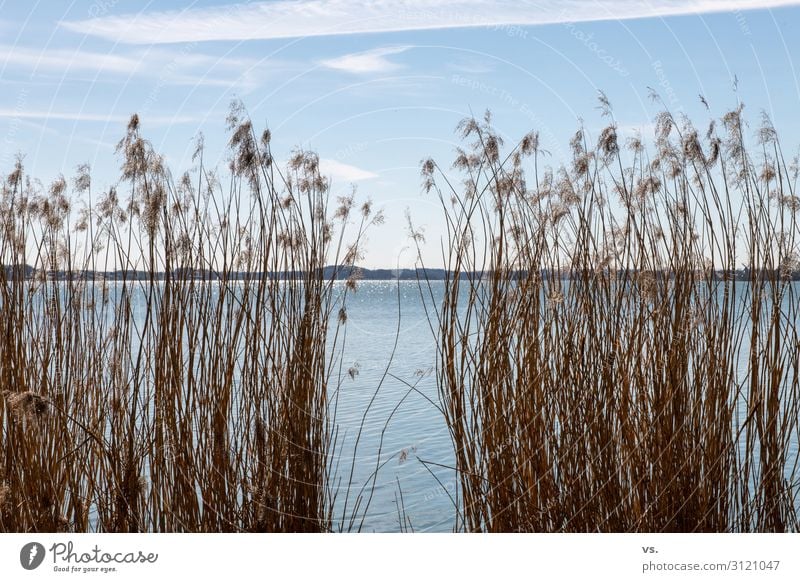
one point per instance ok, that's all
(389, 342)
(416, 431)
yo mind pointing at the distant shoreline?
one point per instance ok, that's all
(342, 272)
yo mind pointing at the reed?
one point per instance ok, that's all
(168, 360)
(618, 338)
(618, 345)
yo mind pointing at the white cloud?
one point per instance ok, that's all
(41, 114)
(472, 66)
(341, 172)
(373, 61)
(301, 18)
(33, 59)
(186, 66)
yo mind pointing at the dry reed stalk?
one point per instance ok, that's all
(599, 367)
(187, 390)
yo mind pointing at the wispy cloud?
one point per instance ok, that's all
(341, 172)
(473, 65)
(301, 18)
(186, 66)
(42, 114)
(38, 60)
(372, 61)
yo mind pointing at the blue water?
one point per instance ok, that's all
(415, 431)
(402, 463)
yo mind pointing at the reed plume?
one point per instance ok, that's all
(169, 345)
(618, 339)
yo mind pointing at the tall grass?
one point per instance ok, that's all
(168, 363)
(618, 346)
(601, 368)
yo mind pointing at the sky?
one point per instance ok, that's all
(376, 86)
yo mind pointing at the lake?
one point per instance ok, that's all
(416, 430)
(402, 462)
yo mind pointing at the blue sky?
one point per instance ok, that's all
(376, 86)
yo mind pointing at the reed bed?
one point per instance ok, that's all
(618, 342)
(167, 361)
(618, 338)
